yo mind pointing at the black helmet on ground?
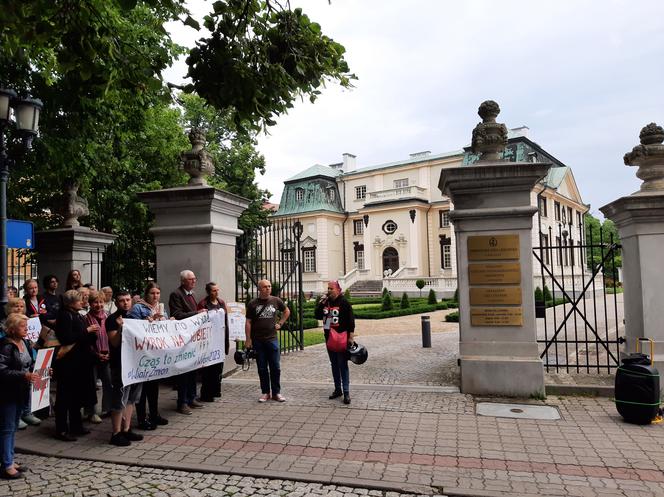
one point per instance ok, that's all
(357, 353)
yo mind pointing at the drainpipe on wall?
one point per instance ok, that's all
(428, 248)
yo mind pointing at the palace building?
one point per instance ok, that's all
(388, 225)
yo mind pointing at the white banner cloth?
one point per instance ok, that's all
(34, 329)
(159, 349)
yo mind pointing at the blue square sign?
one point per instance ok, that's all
(20, 234)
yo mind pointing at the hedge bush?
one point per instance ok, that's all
(405, 303)
(432, 299)
(377, 314)
(452, 317)
(387, 304)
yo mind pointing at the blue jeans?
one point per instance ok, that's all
(268, 363)
(339, 362)
(186, 388)
(10, 413)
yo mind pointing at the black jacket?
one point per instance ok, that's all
(346, 320)
(70, 329)
(13, 384)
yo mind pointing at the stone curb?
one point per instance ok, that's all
(588, 390)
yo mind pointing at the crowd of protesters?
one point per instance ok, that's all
(85, 327)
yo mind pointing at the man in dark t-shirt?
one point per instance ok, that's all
(123, 397)
(265, 315)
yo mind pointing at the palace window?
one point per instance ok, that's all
(543, 204)
(578, 219)
(401, 183)
(358, 227)
(558, 248)
(444, 217)
(570, 219)
(360, 192)
(389, 227)
(331, 194)
(299, 194)
(571, 251)
(287, 260)
(309, 256)
(544, 244)
(556, 207)
(360, 259)
(447, 256)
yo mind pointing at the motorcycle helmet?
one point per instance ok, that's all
(358, 353)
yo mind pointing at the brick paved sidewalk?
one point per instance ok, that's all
(404, 439)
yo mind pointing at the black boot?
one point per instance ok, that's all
(335, 395)
(346, 398)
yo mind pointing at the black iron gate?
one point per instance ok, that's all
(273, 253)
(580, 300)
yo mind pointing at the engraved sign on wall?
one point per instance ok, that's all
(495, 295)
(493, 247)
(496, 316)
(506, 273)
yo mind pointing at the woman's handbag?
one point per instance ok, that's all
(336, 341)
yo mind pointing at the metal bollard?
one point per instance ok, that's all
(426, 332)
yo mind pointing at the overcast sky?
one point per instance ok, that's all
(584, 76)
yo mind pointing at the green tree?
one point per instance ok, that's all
(432, 299)
(347, 295)
(420, 284)
(260, 57)
(405, 303)
(386, 304)
(600, 237)
(539, 296)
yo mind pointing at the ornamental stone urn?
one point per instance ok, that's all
(197, 162)
(489, 137)
(73, 206)
(649, 158)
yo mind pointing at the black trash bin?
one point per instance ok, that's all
(637, 389)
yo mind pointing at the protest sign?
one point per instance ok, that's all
(236, 320)
(34, 328)
(41, 388)
(159, 349)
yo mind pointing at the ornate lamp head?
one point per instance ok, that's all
(197, 162)
(648, 156)
(489, 137)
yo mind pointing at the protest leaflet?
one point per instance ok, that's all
(236, 320)
(34, 329)
(41, 388)
(159, 349)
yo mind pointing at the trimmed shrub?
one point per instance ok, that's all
(387, 304)
(432, 299)
(420, 284)
(452, 304)
(547, 294)
(452, 317)
(539, 296)
(385, 292)
(276, 288)
(456, 295)
(405, 303)
(347, 294)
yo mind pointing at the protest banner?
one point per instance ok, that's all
(236, 320)
(41, 388)
(34, 329)
(159, 349)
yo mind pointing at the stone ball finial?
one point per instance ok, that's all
(652, 134)
(489, 137)
(489, 111)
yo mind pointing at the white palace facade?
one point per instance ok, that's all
(388, 225)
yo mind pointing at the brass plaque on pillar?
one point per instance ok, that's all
(496, 316)
(496, 247)
(508, 273)
(495, 295)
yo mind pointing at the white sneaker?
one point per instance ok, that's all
(31, 419)
(94, 418)
(22, 425)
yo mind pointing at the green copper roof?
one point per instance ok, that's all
(555, 176)
(310, 194)
(315, 170)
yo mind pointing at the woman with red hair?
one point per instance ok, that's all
(337, 315)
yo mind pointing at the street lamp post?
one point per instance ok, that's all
(26, 120)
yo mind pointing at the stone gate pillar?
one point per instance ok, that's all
(196, 227)
(493, 226)
(639, 218)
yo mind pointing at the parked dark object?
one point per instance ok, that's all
(426, 332)
(637, 389)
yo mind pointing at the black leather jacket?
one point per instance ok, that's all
(13, 384)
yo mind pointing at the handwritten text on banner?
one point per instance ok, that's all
(159, 349)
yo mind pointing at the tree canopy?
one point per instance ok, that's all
(109, 122)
